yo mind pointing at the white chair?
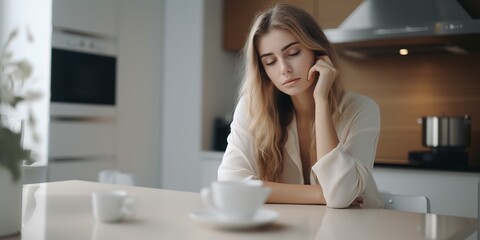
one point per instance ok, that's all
(419, 204)
(116, 177)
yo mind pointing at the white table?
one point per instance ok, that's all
(62, 210)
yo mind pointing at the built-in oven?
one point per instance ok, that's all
(82, 108)
(83, 70)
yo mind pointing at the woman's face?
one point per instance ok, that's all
(286, 61)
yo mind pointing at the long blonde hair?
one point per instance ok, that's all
(271, 110)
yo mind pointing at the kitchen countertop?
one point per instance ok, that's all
(405, 164)
(382, 163)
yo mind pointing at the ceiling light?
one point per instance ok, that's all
(403, 51)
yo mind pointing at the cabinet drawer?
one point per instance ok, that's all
(88, 16)
(86, 169)
(76, 139)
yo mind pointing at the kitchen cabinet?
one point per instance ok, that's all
(87, 16)
(450, 193)
(80, 149)
(238, 16)
(86, 169)
(93, 137)
(210, 163)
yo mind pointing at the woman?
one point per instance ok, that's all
(294, 127)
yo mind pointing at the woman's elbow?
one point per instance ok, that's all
(342, 199)
(340, 203)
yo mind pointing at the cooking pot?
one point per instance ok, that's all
(445, 131)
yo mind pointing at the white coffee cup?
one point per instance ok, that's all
(112, 205)
(235, 199)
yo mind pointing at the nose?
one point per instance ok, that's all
(285, 67)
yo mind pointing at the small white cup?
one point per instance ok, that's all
(235, 199)
(112, 205)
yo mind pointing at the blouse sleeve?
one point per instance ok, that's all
(346, 170)
(238, 162)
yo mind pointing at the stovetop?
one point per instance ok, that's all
(440, 157)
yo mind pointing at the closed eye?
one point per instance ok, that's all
(270, 63)
(269, 60)
(294, 53)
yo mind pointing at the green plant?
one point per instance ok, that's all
(13, 77)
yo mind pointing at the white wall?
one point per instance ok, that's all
(183, 71)
(199, 84)
(139, 89)
(219, 79)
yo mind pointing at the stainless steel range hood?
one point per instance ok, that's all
(381, 26)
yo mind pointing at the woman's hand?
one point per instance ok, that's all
(327, 74)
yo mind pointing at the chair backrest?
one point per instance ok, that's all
(116, 177)
(419, 204)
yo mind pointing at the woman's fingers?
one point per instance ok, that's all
(312, 73)
(326, 58)
(322, 64)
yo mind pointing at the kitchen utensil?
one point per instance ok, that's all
(447, 137)
(445, 131)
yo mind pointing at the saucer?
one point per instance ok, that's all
(212, 218)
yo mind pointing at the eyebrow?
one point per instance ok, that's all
(283, 49)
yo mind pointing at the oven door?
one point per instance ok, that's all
(82, 78)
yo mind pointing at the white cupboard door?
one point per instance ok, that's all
(89, 16)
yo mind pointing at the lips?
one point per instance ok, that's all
(290, 81)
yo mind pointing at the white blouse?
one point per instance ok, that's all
(344, 173)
